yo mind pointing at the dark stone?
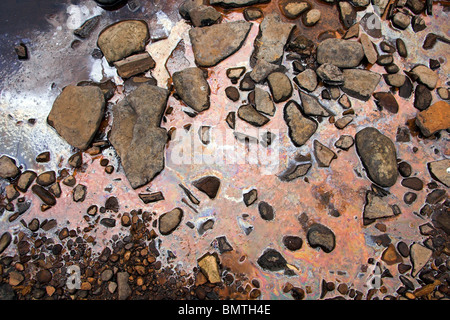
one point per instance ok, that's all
(112, 204)
(422, 97)
(404, 168)
(436, 196)
(208, 185)
(7, 292)
(266, 211)
(406, 89)
(409, 197)
(413, 183)
(250, 197)
(321, 236)
(44, 195)
(108, 222)
(151, 197)
(232, 93)
(87, 27)
(292, 243)
(386, 100)
(272, 260)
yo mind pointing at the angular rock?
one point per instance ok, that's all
(418, 24)
(8, 168)
(406, 90)
(210, 267)
(215, 43)
(320, 236)
(330, 74)
(416, 6)
(11, 192)
(247, 84)
(133, 65)
(434, 119)
(360, 84)
(85, 30)
(295, 171)
(231, 119)
(300, 127)
(419, 257)
(344, 142)
(234, 74)
(151, 197)
(440, 171)
(390, 256)
(312, 107)
(436, 196)
(280, 86)
(263, 102)
(191, 85)
(425, 76)
(272, 38)
(347, 14)
(272, 260)
(376, 208)
(341, 123)
(339, 52)
(202, 16)
(122, 39)
(249, 114)
(250, 197)
(44, 195)
(77, 113)
(266, 211)
(169, 221)
(208, 185)
(262, 69)
(79, 193)
(123, 288)
(307, 80)
(378, 155)
(323, 155)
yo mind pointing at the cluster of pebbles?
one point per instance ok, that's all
(339, 64)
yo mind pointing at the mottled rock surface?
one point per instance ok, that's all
(191, 85)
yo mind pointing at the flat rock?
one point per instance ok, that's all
(307, 80)
(311, 106)
(123, 288)
(44, 195)
(234, 74)
(236, 3)
(347, 14)
(79, 193)
(262, 69)
(85, 30)
(123, 39)
(263, 102)
(434, 119)
(249, 114)
(280, 86)
(272, 260)
(266, 211)
(300, 127)
(77, 113)
(250, 197)
(169, 221)
(344, 142)
(208, 185)
(210, 267)
(330, 74)
(151, 197)
(323, 155)
(215, 43)
(295, 171)
(272, 38)
(339, 52)
(320, 236)
(419, 257)
(378, 155)
(8, 168)
(292, 9)
(440, 171)
(191, 85)
(359, 83)
(386, 100)
(425, 76)
(135, 64)
(202, 16)
(376, 207)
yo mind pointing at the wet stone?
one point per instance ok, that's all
(11, 192)
(234, 74)
(392, 68)
(209, 266)
(236, 3)
(321, 236)
(108, 222)
(25, 180)
(339, 52)
(419, 257)
(425, 76)
(395, 80)
(390, 256)
(444, 93)
(385, 59)
(151, 197)
(21, 51)
(387, 47)
(251, 14)
(292, 243)
(418, 24)
(266, 211)
(262, 69)
(5, 241)
(376, 208)
(341, 123)
(347, 15)
(406, 89)
(135, 64)
(369, 49)
(403, 249)
(85, 30)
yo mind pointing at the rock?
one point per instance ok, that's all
(292, 243)
(249, 114)
(419, 257)
(416, 6)
(352, 31)
(323, 155)
(44, 276)
(44, 195)
(320, 236)
(433, 119)
(231, 119)
(360, 84)
(312, 17)
(187, 6)
(76, 160)
(108, 222)
(43, 157)
(439, 171)
(347, 14)
(169, 221)
(55, 189)
(151, 197)
(133, 65)
(208, 185)
(404, 169)
(266, 211)
(434, 64)
(418, 24)
(387, 47)
(191, 85)
(272, 260)
(251, 14)
(123, 288)
(79, 193)
(123, 39)
(236, 3)
(11, 192)
(300, 127)
(413, 183)
(215, 43)
(77, 113)
(425, 76)
(209, 266)
(443, 93)
(247, 84)
(46, 178)
(202, 16)
(386, 100)
(263, 102)
(232, 93)
(341, 123)
(136, 135)
(406, 90)
(401, 48)
(234, 74)
(292, 9)
(422, 97)
(436, 196)
(8, 168)
(85, 30)
(25, 180)
(307, 80)
(21, 51)
(390, 256)
(380, 6)
(344, 142)
(401, 20)
(385, 59)
(378, 155)
(441, 220)
(250, 197)
(395, 80)
(339, 52)
(271, 40)
(262, 69)
(295, 171)
(376, 208)
(69, 181)
(6, 292)
(280, 86)
(345, 102)
(330, 74)
(5, 241)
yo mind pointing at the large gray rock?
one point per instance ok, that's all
(378, 155)
(300, 127)
(359, 83)
(215, 43)
(191, 85)
(339, 52)
(271, 40)
(136, 135)
(77, 113)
